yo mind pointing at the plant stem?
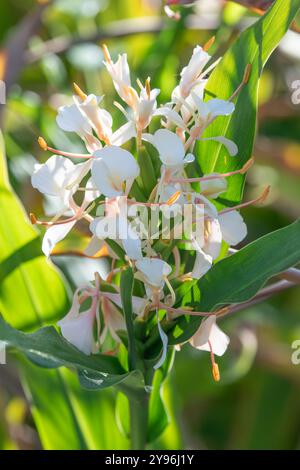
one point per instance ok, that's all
(139, 421)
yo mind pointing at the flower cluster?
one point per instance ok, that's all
(106, 177)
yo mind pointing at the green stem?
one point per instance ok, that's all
(139, 421)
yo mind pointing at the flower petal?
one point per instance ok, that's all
(49, 178)
(214, 187)
(70, 119)
(170, 147)
(154, 270)
(203, 263)
(79, 331)
(233, 227)
(164, 340)
(111, 168)
(209, 331)
(123, 134)
(229, 144)
(213, 240)
(220, 107)
(55, 234)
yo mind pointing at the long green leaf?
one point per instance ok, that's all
(73, 418)
(32, 293)
(47, 348)
(254, 47)
(126, 296)
(239, 277)
(31, 290)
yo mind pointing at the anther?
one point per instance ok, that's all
(148, 88)
(209, 43)
(33, 218)
(173, 198)
(42, 143)
(216, 372)
(106, 53)
(79, 92)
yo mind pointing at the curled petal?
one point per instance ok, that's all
(229, 144)
(112, 168)
(209, 332)
(233, 227)
(79, 331)
(55, 234)
(203, 263)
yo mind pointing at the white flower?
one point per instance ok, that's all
(114, 171)
(190, 75)
(206, 113)
(213, 187)
(59, 177)
(188, 105)
(115, 225)
(71, 119)
(170, 148)
(77, 328)
(154, 271)
(113, 320)
(138, 303)
(144, 107)
(233, 227)
(120, 74)
(99, 119)
(228, 226)
(60, 229)
(209, 337)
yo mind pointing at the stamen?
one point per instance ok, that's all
(74, 217)
(123, 111)
(173, 295)
(33, 218)
(79, 92)
(216, 372)
(106, 53)
(209, 43)
(211, 67)
(138, 81)
(173, 198)
(148, 88)
(177, 263)
(244, 82)
(215, 367)
(43, 144)
(259, 199)
(241, 171)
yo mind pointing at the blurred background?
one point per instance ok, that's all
(44, 47)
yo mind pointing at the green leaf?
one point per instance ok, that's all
(74, 418)
(254, 47)
(31, 290)
(147, 176)
(158, 415)
(240, 276)
(47, 348)
(126, 289)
